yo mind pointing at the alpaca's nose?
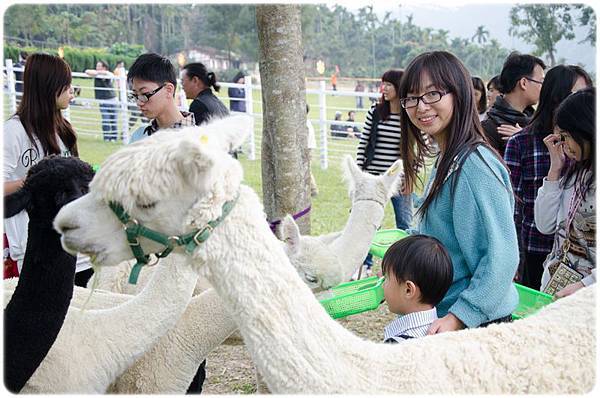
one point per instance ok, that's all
(64, 226)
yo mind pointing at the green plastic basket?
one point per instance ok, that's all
(383, 239)
(354, 297)
(530, 301)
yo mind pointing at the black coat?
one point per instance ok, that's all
(207, 106)
(502, 113)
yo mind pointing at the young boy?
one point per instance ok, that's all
(418, 272)
(154, 82)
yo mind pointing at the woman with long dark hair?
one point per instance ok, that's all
(480, 96)
(36, 130)
(379, 143)
(566, 202)
(468, 201)
(528, 160)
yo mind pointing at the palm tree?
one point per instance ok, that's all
(481, 34)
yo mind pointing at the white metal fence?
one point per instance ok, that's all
(84, 112)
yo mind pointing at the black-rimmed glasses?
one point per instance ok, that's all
(533, 80)
(143, 98)
(430, 97)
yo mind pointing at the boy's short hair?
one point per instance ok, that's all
(423, 260)
(516, 67)
(153, 68)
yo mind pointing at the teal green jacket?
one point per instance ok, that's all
(476, 226)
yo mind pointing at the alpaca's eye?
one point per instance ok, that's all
(310, 278)
(146, 206)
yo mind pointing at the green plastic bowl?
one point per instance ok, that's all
(530, 301)
(383, 239)
(354, 297)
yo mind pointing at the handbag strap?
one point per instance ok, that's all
(574, 204)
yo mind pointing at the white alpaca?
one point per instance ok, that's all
(326, 261)
(296, 346)
(94, 347)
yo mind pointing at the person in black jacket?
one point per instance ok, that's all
(197, 82)
(521, 82)
(236, 105)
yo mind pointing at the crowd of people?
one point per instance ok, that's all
(510, 195)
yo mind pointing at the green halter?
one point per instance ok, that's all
(133, 229)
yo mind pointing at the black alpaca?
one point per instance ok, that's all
(37, 309)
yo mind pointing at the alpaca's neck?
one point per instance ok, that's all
(139, 323)
(37, 309)
(46, 279)
(281, 321)
(352, 246)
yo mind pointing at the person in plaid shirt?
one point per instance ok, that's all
(528, 159)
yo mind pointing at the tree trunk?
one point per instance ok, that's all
(284, 158)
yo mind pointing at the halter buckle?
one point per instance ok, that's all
(200, 232)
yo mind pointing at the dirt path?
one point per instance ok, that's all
(230, 369)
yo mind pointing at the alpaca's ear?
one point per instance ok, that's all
(230, 132)
(392, 177)
(350, 171)
(16, 202)
(290, 234)
(194, 162)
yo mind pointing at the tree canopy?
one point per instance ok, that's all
(362, 43)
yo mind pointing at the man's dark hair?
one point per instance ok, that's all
(153, 68)
(516, 67)
(424, 261)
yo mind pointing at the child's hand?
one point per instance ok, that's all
(448, 323)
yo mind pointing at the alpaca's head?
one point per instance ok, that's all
(50, 184)
(173, 182)
(364, 186)
(314, 260)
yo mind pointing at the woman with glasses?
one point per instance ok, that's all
(36, 130)
(468, 201)
(528, 160)
(566, 203)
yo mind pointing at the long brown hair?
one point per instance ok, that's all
(45, 78)
(466, 134)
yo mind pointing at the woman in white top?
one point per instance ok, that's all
(566, 203)
(38, 129)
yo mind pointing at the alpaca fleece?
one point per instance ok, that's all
(296, 346)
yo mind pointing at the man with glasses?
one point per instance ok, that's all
(520, 82)
(154, 82)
